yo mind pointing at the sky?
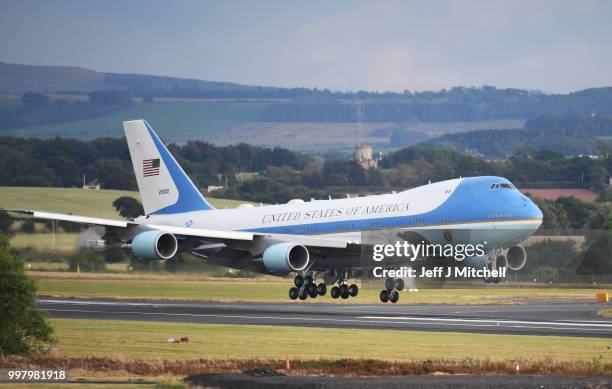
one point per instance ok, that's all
(553, 46)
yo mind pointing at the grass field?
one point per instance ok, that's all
(64, 200)
(174, 121)
(129, 350)
(198, 287)
(76, 200)
(44, 241)
(127, 339)
(120, 267)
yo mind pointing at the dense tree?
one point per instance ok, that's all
(554, 253)
(596, 259)
(547, 136)
(62, 162)
(6, 222)
(578, 212)
(23, 329)
(128, 207)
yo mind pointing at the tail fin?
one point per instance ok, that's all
(164, 187)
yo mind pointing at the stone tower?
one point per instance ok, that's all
(364, 156)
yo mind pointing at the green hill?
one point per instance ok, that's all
(175, 121)
(18, 78)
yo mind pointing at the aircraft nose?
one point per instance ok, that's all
(533, 211)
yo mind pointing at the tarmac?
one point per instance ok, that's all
(554, 317)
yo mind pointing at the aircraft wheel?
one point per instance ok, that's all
(335, 292)
(298, 281)
(303, 294)
(487, 280)
(394, 297)
(312, 290)
(344, 291)
(496, 280)
(384, 295)
(389, 284)
(353, 290)
(322, 289)
(308, 280)
(293, 293)
(399, 284)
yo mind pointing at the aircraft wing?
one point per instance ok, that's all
(306, 240)
(219, 235)
(202, 233)
(98, 221)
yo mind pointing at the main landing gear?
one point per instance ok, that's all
(344, 291)
(392, 289)
(306, 287)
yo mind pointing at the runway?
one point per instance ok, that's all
(542, 318)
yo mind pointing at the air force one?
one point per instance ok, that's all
(316, 239)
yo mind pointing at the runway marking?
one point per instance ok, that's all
(565, 323)
(374, 319)
(155, 304)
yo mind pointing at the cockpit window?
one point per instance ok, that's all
(501, 185)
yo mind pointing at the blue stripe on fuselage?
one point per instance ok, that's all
(472, 201)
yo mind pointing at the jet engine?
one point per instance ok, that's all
(516, 257)
(286, 257)
(154, 245)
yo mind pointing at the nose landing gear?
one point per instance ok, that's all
(493, 263)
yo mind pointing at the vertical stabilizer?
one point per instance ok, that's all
(164, 187)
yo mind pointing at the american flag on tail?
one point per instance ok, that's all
(150, 167)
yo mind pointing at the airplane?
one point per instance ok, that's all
(316, 238)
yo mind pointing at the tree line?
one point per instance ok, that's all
(565, 134)
(456, 104)
(285, 174)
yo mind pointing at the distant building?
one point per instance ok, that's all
(212, 188)
(246, 176)
(364, 156)
(95, 185)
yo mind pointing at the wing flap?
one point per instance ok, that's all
(203, 233)
(308, 240)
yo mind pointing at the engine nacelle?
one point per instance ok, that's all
(286, 257)
(154, 245)
(517, 257)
